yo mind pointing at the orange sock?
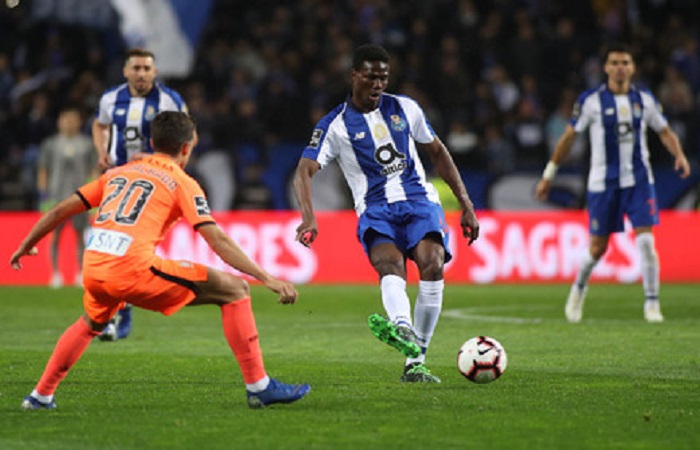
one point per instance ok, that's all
(242, 336)
(68, 350)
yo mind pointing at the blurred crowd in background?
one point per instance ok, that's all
(497, 79)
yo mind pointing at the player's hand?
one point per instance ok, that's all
(104, 162)
(15, 259)
(470, 225)
(287, 292)
(682, 166)
(542, 189)
(306, 233)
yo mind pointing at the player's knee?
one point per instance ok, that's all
(431, 270)
(597, 249)
(386, 267)
(237, 288)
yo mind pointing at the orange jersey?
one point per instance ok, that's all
(138, 203)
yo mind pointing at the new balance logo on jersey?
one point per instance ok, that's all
(359, 135)
(202, 206)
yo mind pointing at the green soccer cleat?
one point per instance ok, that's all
(418, 373)
(402, 338)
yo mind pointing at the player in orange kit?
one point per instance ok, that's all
(138, 203)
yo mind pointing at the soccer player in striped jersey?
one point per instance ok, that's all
(122, 129)
(620, 182)
(373, 136)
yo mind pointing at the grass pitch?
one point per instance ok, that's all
(612, 381)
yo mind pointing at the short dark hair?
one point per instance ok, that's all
(138, 52)
(170, 130)
(369, 53)
(617, 47)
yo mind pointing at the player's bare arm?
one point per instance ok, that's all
(446, 169)
(235, 257)
(100, 137)
(69, 207)
(308, 229)
(562, 149)
(673, 145)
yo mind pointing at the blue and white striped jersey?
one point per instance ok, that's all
(130, 118)
(617, 129)
(376, 151)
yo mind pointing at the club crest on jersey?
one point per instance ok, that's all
(316, 138)
(397, 123)
(150, 113)
(202, 206)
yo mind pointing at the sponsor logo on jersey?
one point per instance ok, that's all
(120, 112)
(387, 156)
(397, 123)
(359, 135)
(316, 138)
(609, 111)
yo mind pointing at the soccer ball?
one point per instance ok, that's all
(482, 359)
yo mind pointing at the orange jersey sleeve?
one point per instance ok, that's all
(91, 193)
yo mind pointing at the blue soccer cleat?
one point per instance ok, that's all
(30, 403)
(124, 322)
(277, 392)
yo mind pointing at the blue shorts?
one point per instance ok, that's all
(404, 224)
(606, 209)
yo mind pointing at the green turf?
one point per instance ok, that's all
(612, 381)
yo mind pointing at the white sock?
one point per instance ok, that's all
(41, 398)
(259, 385)
(650, 265)
(395, 299)
(586, 265)
(426, 314)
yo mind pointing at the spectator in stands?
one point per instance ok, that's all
(67, 161)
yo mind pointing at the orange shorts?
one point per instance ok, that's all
(166, 288)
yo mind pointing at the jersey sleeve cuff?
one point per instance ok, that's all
(84, 200)
(201, 224)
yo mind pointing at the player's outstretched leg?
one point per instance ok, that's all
(277, 392)
(68, 350)
(402, 338)
(241, 334)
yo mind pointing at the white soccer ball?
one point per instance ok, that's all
(482, 359)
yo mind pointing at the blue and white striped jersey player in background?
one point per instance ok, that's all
(122, 129)
(620, 181)
(373, 136)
